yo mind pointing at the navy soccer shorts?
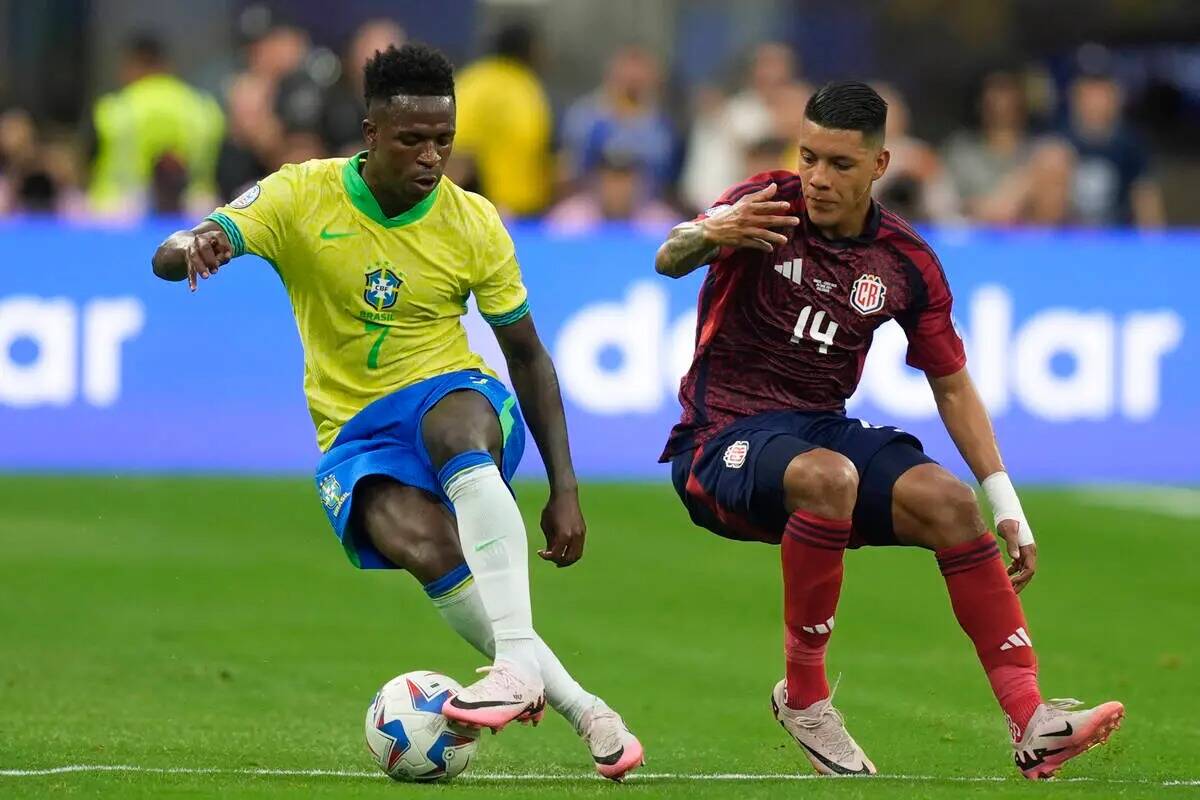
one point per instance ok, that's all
(733, 484)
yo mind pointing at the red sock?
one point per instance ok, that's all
(813, 548)
(989, 611)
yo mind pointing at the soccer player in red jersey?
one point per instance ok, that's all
(803, 267)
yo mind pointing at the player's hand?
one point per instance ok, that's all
(1024, 558)
(751, 222)
(206, 253)
(562, 522)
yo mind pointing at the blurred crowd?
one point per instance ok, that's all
(627, 151)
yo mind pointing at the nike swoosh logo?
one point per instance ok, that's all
(488, 543)
(1067, 731)
(470, 706)
(838, 768)
(608, 761)
(325, 234)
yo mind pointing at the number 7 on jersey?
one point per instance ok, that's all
(373, 356)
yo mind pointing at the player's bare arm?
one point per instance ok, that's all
(536, 384)
(968, 423)
(193, 254)
(753, 221)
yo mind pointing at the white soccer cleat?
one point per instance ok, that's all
(616, 751)
(500, 697)
(1057, 732)
(821, 733)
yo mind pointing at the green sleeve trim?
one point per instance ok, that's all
(500, 320)
(231, 230)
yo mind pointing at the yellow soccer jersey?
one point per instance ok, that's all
(377, 300)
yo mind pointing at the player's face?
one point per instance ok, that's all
(837, 168)
(409, 139)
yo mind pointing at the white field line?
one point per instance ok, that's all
(1171, 501)
(533, 777)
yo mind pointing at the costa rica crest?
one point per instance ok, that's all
(382, 289)
(867, 294)
(735, 454)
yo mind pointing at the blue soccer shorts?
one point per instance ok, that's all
(385, 439)
(733, 483)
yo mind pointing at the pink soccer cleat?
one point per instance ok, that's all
(500, 697)
(1057, 733)
(615, 750)
(821, 733)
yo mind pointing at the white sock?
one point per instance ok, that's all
(494, 545)
(463, 611)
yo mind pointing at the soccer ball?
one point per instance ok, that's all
(407, 735)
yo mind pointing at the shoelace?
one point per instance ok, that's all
(1064, 703)
(610, 738)
(836, 739)
(502, 676)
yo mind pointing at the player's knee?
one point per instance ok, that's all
(953, 517)
(459, 423)
(821, 482)
(421, 543)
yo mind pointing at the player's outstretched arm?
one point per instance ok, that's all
(968, 423)
(750, 222)
(536, 382)
(193, 254)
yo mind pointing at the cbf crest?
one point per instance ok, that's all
(867, 294)
(332, 495)
(382, 289)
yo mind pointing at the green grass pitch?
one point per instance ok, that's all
(214, 625)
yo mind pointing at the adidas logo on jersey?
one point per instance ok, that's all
(824, 627)
(1018, 639)
(791, 269)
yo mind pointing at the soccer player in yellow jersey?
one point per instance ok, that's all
(379, 253)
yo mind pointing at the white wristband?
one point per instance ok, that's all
(1005, 505)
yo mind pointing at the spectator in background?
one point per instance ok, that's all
(1112, 183)
(1043, 188)
(615, 192)
(726, 133)
(983, 161)
(787, 115)
(253, 146)
(1003, 175)
(769, 154)
(623, 114)
(502, 146)
(155, 116)
(345, 107)
(916, 185)
(36, 177)
(713, 160)
(754, 111)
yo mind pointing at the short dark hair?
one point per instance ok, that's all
(145, 48)
(848, 106)
(414, 69)
(516, 40)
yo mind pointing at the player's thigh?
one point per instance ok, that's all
(931, 508)
(462, 421)
(880, 455)
(409, 527)
(734, 485)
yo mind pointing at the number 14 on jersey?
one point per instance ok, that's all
(822, 335)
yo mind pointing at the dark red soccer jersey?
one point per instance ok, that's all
(790, 329)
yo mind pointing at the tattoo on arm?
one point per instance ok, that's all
(685, 250)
